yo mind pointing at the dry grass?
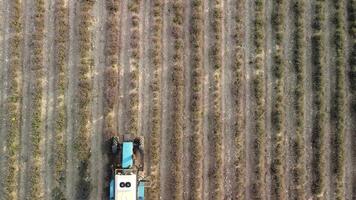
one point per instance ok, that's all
(258, 184)
(318, 130)
(13, 102)
(82, 139)
(36, 190)
(134, 8)
(297, 189)
(61, 57)
(339, 100)
(278, 104)
(215, 128)
(154, 191)
(196, 62)
(237, 96)
(176, 182)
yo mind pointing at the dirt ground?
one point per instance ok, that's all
(98, 162)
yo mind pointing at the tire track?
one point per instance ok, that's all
(48, 97)
(71, 102)
(26, 108)
(97, 161)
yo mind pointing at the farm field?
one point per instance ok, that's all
(236, 99)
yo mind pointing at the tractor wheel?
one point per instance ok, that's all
(114, 145)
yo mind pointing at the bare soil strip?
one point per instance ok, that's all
(71, 101)
(97, 161)
(270, 97)
(187, 101)
(164, 162)
(249, 114)
(4, 34)
(26, 99)
(206, 100)
(350, 175)
(125, 67)
(308, 95)
(49, 96)
(226, 104)
(329, 72)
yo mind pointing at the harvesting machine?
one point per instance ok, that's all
(127, 181)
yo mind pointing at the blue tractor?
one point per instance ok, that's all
(127, 181)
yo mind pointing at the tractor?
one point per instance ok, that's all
(127, 181)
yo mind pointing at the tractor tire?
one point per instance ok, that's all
(115, 145)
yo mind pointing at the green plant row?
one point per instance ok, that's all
(196, 63)
(36, 190)
(155, 54)
(278, 109)
(238, 98)
(297, 188)
(318, 88)
(338, 99)
(82, 139)
(258, 184)
(134, 8)
(215, 128)
(13, 101)
(176, 165)
(60, 62)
